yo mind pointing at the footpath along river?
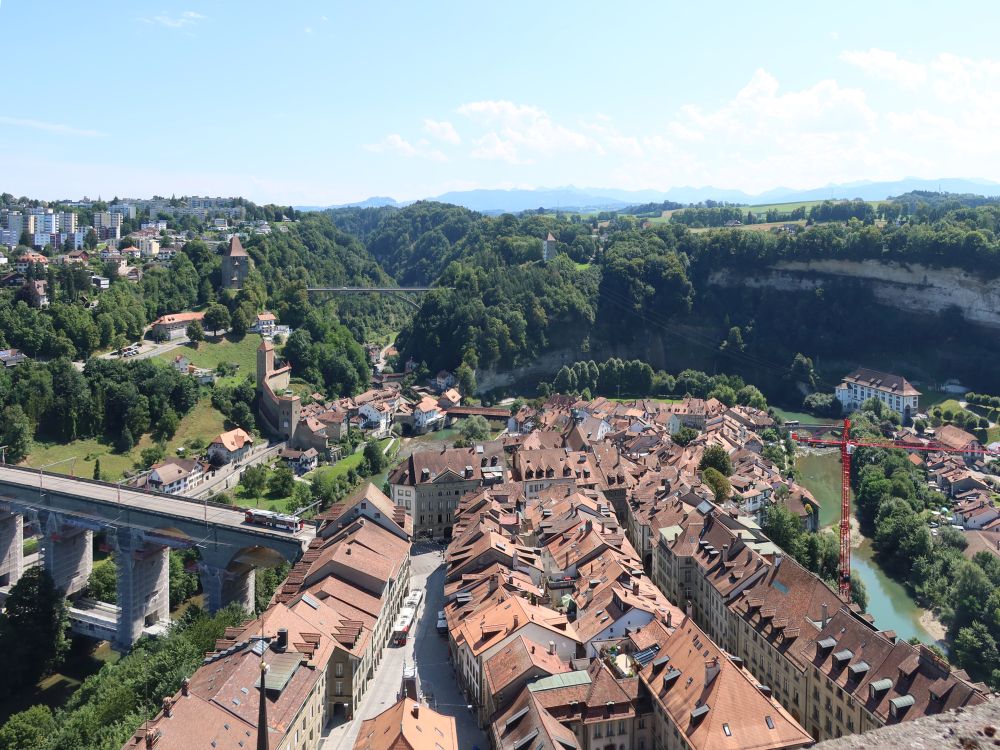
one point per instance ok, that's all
(888, 601)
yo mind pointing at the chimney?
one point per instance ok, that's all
(152, 735)
(415, 710)
(168, 706)
(688, 609)
(185, 686)
(826, 615)
(552, 647)
(494, 582)
(589, 526)
(725, 552)
(282, 643)
(711, 670)
(670, 617)
(515, 623)
(532, 648)
(635, 587)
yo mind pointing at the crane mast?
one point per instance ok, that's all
(847, 446)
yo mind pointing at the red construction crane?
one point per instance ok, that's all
(847, 446)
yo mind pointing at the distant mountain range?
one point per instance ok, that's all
(598, 199)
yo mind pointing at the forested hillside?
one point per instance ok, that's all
(616, 287)
(309, 252)
(49, 398)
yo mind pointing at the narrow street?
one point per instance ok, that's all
(428, 650)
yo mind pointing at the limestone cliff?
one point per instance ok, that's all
(912, 287)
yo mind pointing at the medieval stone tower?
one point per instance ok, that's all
(236, 265)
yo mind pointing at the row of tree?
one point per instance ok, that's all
(892, 498)
(117, 400)
(619, 378)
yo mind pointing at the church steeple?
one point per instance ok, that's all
(262, 743)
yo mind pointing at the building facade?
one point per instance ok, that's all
(892, 390)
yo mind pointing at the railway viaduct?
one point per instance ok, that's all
(141, 527)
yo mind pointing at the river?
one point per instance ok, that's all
(888, 601)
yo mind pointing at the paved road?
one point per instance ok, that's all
(429, 651)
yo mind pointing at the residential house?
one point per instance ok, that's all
(38, 293)
(11, 357)
(449, 399)
(509, 670)
(265, 324)
(230, 447)
(444, 380)
(220, 704)
(29, 259)
(493, 628)
(959, 440)
(360, 571)
(176, 475)
(173, 327)
(301, 462)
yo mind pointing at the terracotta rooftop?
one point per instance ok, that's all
(233, 440)
(715, 704)
(408, 725)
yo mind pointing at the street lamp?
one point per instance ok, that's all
(54, 463)
(3, 454)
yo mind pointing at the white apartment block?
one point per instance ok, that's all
(149, 247)
(125, 209)
(892, 390)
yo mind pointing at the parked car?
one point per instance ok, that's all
(442, 623)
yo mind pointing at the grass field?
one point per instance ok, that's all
(820, 474)
(209, 353)
(763, 208)
(762, 227)
(799, 416)
(344, 465)
(202, 422)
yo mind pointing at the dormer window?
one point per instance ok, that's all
(898, 706)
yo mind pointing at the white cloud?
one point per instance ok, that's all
(50, 127)
(396, 144)
(888, 66)
(443, 131)
(183, 20)
(520, 133)
(308, 29)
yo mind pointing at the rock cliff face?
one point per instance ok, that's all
(914, 287)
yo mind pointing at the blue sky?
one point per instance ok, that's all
(310, 102)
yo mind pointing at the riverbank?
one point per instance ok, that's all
(889, 603)
(933, 625)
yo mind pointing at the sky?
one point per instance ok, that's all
(312, 103)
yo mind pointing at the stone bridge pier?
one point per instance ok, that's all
(143, 569)
(67, 553)
(225, 586)
(11, 548)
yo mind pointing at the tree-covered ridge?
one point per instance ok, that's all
(416, 244)
(618, 282)
(501, 316)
